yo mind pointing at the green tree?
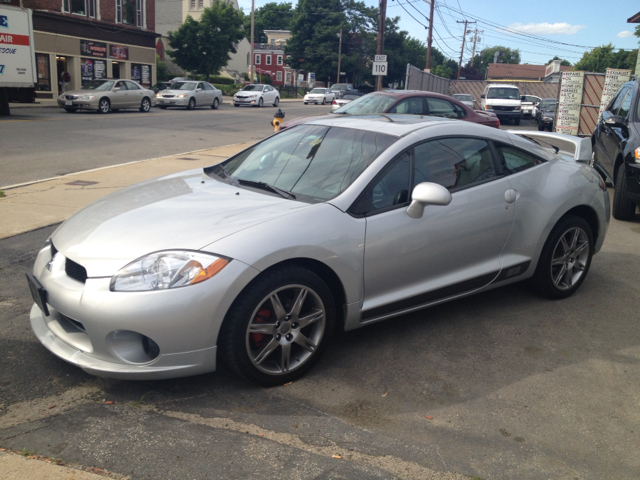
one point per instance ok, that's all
(485, 57)
(564, 63)
(271, 16)
(202, 47)
(603, 57)
(162, 69)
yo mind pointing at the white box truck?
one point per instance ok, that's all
(17, 59)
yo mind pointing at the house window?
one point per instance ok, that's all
(268, 57)
(126, 12)
(139, 13)
(278, 76)
(79, 7)
(257, 59)
(287, 78)
(92, 8)
(192, 6)
(65, 6)
(118, 11)
(279, 60)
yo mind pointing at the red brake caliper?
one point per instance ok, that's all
(262, 317)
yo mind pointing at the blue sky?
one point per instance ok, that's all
(566, 28)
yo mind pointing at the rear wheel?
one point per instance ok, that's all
(145, 105)
(623, 208)
(104, 105)
(192, 104)
(565, 258)
(215, 104)
(278, 326)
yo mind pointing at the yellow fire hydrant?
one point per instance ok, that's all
(277, 120)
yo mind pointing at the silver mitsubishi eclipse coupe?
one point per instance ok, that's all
(334, 223)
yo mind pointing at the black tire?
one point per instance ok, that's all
(276, 102)
(145, 105)
(565, 258)
(516, 121)
(306, 103)
(71, 110)
(215, 104)
(192, 104)
(323, 102)
(252, 328)
(236, 105)
(260, 102)
(104, 105)
(623, 208)
(541, 128)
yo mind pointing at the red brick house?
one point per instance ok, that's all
(92, 39)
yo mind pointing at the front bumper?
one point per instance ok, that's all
(506, 114)
(172, 102)
(245, 101)
(79, 104)
(109, 334)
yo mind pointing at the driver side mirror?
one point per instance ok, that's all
(427, 193)
(117, 89)
(614, 121)
(482, 96)
(198, 89)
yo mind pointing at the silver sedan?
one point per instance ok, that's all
(335, 223)
(190, 94)
(108, 95)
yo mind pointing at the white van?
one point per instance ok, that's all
(503, 100)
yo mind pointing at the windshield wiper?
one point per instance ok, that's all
(266, 186)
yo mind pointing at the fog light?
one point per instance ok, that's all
(132, 347)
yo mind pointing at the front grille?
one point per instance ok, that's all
(504, 109)
(71, 97)
(75, 271)
(168, 96)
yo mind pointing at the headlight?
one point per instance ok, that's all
(182, 95)
(169, 269)
(488, 107)
(517, 108)
(86, 97)
(636, 155)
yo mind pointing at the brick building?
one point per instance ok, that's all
(269, 57)
(92, 39)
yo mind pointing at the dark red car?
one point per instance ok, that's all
(410, 102)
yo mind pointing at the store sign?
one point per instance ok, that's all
(136, 72)
(568, 114)
(99, 69)
(93, 49)
(86, 70)
(146, 75)
(613, 80)
(118, 52)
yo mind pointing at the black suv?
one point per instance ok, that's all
(616, 149)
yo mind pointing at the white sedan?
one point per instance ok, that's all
(319, 96)
(257, 95)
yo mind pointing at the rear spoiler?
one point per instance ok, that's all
(583, 150)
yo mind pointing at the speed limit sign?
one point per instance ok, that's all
(379, 68)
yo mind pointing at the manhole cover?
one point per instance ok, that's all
(81, 183)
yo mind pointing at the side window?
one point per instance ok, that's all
(454, 162)
(617, 101)
(132, 86)
(442, 108)
(626, 104)
(392, 188)
(515, 160)
(207, 86)
(121, 85)
(411, 106)
(200, 86)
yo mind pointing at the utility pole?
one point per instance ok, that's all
(253, 57)
(339, 56)
(383, 19)
(464, 37)
(427, 67)
(475, 39)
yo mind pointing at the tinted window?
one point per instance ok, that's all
(626, 104)
(442, 108)
(411, 106)
(207, 86)
(515, 160)
(503, 93)
(617, 101)
(454, 162)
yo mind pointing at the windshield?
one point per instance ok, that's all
(252, 88)
(531, 99)
(372, 103)
(317, 90)
(466, 98)
(98, 85)
(550, 108)
(316, 163)
(504, 93)
(183, 86)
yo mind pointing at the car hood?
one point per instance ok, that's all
(183, 211)
(175, 92)
(86, 92)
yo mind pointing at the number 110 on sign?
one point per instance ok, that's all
(379, 68)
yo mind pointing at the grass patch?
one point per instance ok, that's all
(1, 194)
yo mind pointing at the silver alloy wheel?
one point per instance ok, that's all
(260, 102)
(570, 257)
(145, 106)
(192, 104)
(216, 103)
(285, 330)
(104, 105)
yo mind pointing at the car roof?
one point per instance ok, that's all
(390, 124)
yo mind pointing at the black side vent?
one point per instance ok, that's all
(54, 250)
(75, 271)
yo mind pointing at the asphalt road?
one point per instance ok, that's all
(38, 143)
(497, 386)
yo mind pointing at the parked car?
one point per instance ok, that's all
(190, 94)
(319, 96)
(160, 86)
(411, 102)
(544, 103)
(257, 95)
(503, 100)
(341, 88)
(108, 95)
(346, 98)
(547, 117)
(616, 149)
(338, 223)
(464, 98)
(529, 105)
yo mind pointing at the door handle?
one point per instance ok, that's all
(511, 195)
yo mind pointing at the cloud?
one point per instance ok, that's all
(547, 28)
(625, 33)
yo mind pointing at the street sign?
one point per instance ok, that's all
(379, 68)
(380, 58)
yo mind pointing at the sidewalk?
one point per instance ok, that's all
(17, 467)
(53, 102)
(39, 204)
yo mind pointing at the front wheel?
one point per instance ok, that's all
(260, 102)
(278, 326)
(276, 102)
(104, 106)
(323, 102)
(623, 208)
(145, 105)
(215, 104)
(565, 258)
(192, 104)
